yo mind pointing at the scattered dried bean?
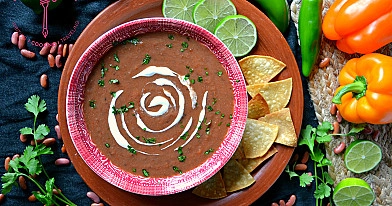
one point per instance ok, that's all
(7, 163)
(56, 191)
(339, 149)
(60, 48)
(291, 201)
(2, 198)
(324, 62)
(58, 62)
(45, 49)
(94, 197)
(27, 53)
(300, 167)
(336, 127)
(44, 81)
(23, 138)
(65, 50)
(97, 204)
(274, 204)
(339, 117)
(305, 157)
(333, 109)
(22, 183)
(282, 203)
(15, 156)
(15, 38)
(70, 46)
(53, 48)
(49, 141)
(57, 117)
(21, 41)
(62, 161)
(57, 129)
(32, 198)
(51, 60)
(375, 135)
(310, 174)
(367, 130)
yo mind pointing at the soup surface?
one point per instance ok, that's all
(158, 105)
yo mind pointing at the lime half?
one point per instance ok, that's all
(179, 9)
(208, 13)
(362, 156)
(238, 33)
(353, 192)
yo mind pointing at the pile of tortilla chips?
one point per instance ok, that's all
(269, 122)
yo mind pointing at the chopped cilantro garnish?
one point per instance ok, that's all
(200, 79)
(114, 81)
(150, 140)
(184, 45)
(133, 41)
(107, 145)
(177, 170)
(169, 45)
(146, 59)
(171, 36)
(92, 103)
(181, 158)
(101, 82)
(116, 67)
(145, 173)
(198, 135)
(220, 73)
(209, 108)
(228, 124)
(116, 57)
(208, 151)
(103, 70)
(113, 94)
(217, 112)
(131, 149)
(193, 81)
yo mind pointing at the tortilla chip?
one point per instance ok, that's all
(277, 94)
(213, 188)
(239, 153)
(286, 134)
(236, 177)
(258, 137)
(251, 164)
(260, 69)
(257, 107)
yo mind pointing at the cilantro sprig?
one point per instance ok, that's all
(29, 163)
(314, 139)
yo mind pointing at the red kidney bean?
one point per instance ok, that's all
(367, 130)
(56, 191)
(62, 161)
(336, 127)
(23, 138)
(70, 46)
(2, 198)
(32, 198)
(58, 62)
(65, 50)
(7, 163)
(27, 53)
(94, 197)
(333, 109)
(324, 62)
(53, 48)
(57, 117)
(97, 204)
(60, 48)
(58, 132)
(21, 41)
(51, 60)
(291, 201)
(282, 203)
(44, 81)
(49, 141)
(15, 156)
(375, 135)
(22, 183)
(305, 157)
(300, 167)
(339, 117)
(294, 158)
(339, 149)
(45, 49)
(15, 38)
(310, 174)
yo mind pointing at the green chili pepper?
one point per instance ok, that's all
(309, 30)
(277, 11)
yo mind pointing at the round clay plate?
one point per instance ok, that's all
(100, 164)
(270, 42)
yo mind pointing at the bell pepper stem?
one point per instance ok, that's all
(358, 88)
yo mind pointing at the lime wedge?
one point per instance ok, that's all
(353, 192)
(179, 9)
(208, 13)
(362, 156)
(238, 33)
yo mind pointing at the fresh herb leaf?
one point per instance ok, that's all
(41, 131)
(305, 179)
(131, 149)
(146, 59)
(145, 173)
(322, 191)
(116, 58)
(114, 81)
(35, 106)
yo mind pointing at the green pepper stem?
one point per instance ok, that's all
(358, 88)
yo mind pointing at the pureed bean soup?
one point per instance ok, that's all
(158, 105)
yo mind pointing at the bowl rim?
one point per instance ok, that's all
(101, 165)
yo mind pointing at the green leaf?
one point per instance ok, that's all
(26, 130)
(324, 128)
(14, 165)
(322, 191)
(327, 178)
(305, 179)
(307, 137)
(41, 149)
(290, 172)
(30, 163)
(324, 162)
(317, 156)
(34, 105)
(356, 129)
(323, 139)
(8, 180)
(41, 131)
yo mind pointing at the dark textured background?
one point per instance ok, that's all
(19, 79)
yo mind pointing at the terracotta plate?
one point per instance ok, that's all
(270, 42)
(100, 164)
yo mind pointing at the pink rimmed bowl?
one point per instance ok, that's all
(101, 165)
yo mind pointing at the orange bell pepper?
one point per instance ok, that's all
(359, 26)
(365, 94)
